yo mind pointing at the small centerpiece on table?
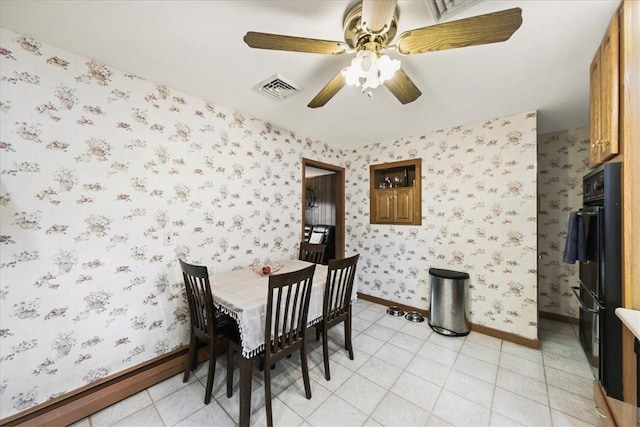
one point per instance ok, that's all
(266, 268)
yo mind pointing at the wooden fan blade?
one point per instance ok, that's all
(291, 43)
(377, 13)
(327, 92)
(402, 87)
(483, 29)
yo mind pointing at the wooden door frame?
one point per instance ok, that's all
(339, 196)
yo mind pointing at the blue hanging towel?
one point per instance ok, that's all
(575, 248)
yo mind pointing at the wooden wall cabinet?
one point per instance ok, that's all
(604, 97)
(395, 195)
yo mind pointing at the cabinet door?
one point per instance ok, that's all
(609, 90)
(397, 205)
(403, 204)
(604, 98)
(594, 112)
(383, 208)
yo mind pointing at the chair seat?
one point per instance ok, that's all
(222, 319)
(230, 331)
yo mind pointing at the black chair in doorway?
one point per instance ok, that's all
(325, 235)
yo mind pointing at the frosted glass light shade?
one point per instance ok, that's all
(369, 70)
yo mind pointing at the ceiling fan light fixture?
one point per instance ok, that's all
(369, 70)
(370, 25)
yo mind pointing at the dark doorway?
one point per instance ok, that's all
(323, 201)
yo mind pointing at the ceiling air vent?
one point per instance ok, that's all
(276, 87)
(444, 9)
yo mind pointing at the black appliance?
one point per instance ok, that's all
(325, 235)
(307, 232)
(600, 290)
(636, 348)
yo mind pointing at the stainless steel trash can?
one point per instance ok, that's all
(448, 312)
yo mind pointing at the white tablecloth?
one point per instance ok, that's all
(242, 294)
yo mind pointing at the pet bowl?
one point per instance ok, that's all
(414, 316)
(395, 311)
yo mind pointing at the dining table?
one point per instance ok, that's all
(241, 293)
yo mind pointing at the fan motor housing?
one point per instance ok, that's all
(356, 37)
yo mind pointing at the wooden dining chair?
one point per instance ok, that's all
(336, 304)
(285, 326)
(207, 327)
(312, 252)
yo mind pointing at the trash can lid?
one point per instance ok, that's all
(448, 274)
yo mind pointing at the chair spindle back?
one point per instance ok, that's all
(312, 252)
(287, 311)
(200, 298)
(338, 288)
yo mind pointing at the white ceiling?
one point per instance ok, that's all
(196, 47)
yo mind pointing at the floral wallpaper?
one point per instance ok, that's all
(563, 159)
(478, 216)
(98, 166)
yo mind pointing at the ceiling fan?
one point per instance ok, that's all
(369, 28)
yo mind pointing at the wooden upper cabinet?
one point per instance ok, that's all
(604, 97)
(594, 112)
(396, 193)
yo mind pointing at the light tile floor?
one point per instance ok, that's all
(403, 375)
